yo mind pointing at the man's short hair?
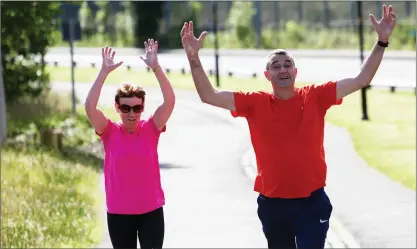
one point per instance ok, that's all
(279, 52)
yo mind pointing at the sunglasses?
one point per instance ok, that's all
(127, 108)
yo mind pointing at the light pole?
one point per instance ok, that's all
(216, 43)
(361, 41)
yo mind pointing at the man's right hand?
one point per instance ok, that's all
(190, 43)
(108, 64)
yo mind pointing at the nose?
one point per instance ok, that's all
(282, 70)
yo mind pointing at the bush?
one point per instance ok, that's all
(27, 118)
(293, 35)
(240, 19)
(28, 29)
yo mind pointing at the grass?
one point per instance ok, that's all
(49, 199)
(387, 142)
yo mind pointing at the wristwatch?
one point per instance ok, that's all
(383, 44)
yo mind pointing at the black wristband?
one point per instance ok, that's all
(383, 44)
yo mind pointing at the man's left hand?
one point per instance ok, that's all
(385, 26)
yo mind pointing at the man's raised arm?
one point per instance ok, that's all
(383, 28)
(205, 90)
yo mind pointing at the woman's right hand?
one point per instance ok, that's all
(108, 64)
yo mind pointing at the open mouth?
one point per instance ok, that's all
(131, 119)
(284, 77)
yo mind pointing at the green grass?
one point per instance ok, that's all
(386, 142)
(47, 200)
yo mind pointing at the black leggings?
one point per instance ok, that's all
(124, 229)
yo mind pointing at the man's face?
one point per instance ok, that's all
(281, 71)
(130, 110)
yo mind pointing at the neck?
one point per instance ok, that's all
(284, 93)
(130, 128)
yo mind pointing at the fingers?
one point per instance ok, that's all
(373, 21)
(151, 45)
(384, 11)
(391, 13)
(114, 66)
(107, 52)
(202, 37)
(191, 28)
(182, 33)
(389, 9)
(394, 19)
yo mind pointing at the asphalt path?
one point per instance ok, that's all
(314, 66)
(210, 200)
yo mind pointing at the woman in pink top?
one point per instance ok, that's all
(134, 195)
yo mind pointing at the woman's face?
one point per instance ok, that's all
(130, 110)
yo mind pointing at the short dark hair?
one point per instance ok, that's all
(279, 52)
(129, 91)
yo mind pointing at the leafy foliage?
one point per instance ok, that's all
(28, 29)
(241, 19)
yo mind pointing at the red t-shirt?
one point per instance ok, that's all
(287, 137)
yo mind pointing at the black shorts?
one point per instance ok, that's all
(125, 229)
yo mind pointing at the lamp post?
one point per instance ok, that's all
(361, 41)
(216, 43)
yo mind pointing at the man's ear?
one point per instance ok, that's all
(267, 75)
(295, 71)
(116, 107)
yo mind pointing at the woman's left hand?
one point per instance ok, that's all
(151, 57)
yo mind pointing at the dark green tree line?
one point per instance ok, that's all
(147, 15)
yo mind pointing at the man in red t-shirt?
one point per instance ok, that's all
(287, 130)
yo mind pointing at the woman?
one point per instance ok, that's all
(134, 195)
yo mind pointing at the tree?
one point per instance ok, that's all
(28, 29)
(240, 19)
(147, 15)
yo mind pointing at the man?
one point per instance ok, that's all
(287, 128)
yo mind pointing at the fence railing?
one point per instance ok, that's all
(230, 73)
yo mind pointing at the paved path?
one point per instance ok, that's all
(376, 211)
(210, 198)
(370, 210)
(210, 202)
(313, 66)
